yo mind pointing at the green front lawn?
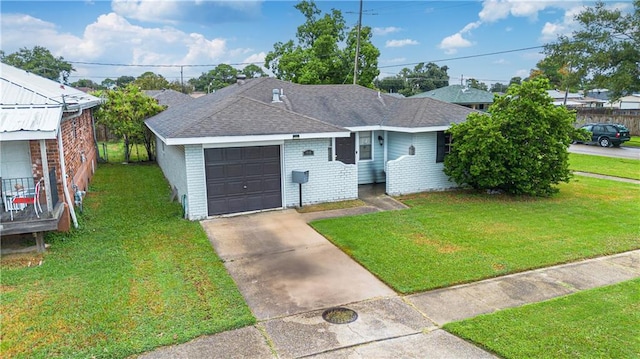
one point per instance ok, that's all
(633, 142)
(618, 167)
(135, 276)
(598, 323)
(455, 237)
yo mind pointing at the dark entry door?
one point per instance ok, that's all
(242, 179)
(346, 149)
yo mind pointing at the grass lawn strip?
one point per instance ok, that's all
(134, 277)
(597, 323)
(618, 167)
(115, 152)
(634, 142)
(449, 238)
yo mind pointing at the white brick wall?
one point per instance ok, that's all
(171, 161)
(328, 181)
(196, 182)
(417, 173)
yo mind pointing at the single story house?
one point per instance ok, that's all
(47, 137)
(571, 99)
(248, 146)
(460, 95)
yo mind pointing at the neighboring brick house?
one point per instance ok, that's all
(38, 118)
(236, 150)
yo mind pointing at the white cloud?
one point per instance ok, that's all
(16, 28)
(198, 11)
(495, 10)
(113, 37)
(501, 62)
(385, 30)
(523, 73)
(470, 26)
(145, 10)
(451, 44)
(401, 43)
(256, 58)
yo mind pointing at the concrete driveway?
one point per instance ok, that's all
(283, 267)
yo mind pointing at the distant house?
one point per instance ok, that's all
(572, 99)
(168, 97)
(631, 102)
(460, 95)
(254, 145)
(46, 137)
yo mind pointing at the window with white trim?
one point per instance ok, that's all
(365, 145)
(443, 145)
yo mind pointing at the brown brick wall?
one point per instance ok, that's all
(79, 153)
(79, 149)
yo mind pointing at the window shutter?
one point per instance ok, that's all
(440, 147)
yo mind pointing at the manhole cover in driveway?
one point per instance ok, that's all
(339, 315)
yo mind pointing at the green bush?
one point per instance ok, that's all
(519, 148)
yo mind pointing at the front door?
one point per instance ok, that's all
(346, 149)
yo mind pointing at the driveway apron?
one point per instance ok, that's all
(284, 267)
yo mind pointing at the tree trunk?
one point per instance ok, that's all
(126, 148)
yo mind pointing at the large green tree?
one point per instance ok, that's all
(253, 70)
(605, 51)
(39, 61)
(424, 78)
(473, 83)
(519, 147)
(220, 76)
(324, 52)
(87, 83)
(498, 87)
(124, 113)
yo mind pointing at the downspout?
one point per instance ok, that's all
(63, 169)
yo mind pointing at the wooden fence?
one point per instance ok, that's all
(629, 118)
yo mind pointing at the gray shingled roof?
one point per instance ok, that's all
(169, 97)
(458, 94)
(246, 109)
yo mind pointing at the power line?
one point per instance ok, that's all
(160, 65)
(261, 62)
(466, 57)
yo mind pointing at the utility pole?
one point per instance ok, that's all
(182, 79)
(355, 66)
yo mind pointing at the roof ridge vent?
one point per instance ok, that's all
(275, 96)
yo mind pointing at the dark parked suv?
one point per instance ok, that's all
(607, 134)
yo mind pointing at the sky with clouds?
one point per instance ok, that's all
(168, 37)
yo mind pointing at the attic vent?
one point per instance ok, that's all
(276, 96)
(240, 78)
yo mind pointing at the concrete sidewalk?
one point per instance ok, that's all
(408, 326)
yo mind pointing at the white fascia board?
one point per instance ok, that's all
(416, 129)
(243, 144)
(162, 138)
(399, 129)
(364, 128)
(84, 105)
(250, 139)
(28, 135)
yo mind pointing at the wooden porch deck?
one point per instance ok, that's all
(25, 221)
